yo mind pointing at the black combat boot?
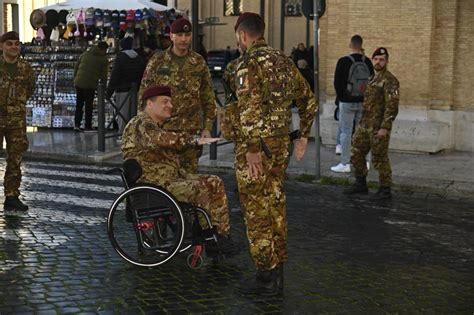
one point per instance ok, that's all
(382, 194)
(280, 277)
(13, 203)
(359, 187)
(263, 283)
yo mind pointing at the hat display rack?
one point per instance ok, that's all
(90, 24)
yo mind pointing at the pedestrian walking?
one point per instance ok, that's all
(350, 80)
(126, 75)
(373, 134)
(89, 69)
(157, 151)
(186, 73)
(17, 84)
(266, 83)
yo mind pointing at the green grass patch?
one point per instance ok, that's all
(326, 180)
(305, 178)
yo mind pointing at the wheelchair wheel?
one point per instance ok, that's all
(146, 226)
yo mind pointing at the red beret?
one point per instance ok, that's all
(181, 25)
(156, 90)
(12, 35)
(244, 16)
(380, 51)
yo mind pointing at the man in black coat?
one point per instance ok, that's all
(127, 73)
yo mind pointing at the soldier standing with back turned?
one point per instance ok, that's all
(266, 83)
(373, 134)
(186, 73)
(17, 84)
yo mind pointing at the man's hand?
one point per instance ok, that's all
(205, 134)
(382, 133)
(203, 140)
(300, 148)
(254, 162)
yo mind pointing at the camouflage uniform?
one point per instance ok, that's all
(229, 114)
(14, 92)
(157, 151)
(266, 84)
(193, 98)
(380, 109)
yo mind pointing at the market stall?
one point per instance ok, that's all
(65, 30)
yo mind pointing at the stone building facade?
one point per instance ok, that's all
(430, 44)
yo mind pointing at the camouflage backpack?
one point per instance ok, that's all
(358, 77)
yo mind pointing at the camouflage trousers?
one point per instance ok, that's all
(17, 144)
(363, 141)
(264, 204)
(207, 192)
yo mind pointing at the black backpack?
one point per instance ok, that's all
(359, 74)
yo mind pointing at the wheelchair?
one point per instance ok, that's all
(147, 226)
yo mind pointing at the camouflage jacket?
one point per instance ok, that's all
(381, 101)
(229, 115)
(191, 89)
(14, 92)
(267, 82)
(155, 149)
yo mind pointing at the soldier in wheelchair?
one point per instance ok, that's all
(156, 153)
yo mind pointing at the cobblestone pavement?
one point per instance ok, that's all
(414, 254)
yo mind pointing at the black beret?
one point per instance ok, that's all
(12, 35)
(245, 16)
(156, 90)
(181, 25)
(380, 51)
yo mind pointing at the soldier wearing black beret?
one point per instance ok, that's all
(381, 100)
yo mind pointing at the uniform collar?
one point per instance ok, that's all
(257, 43)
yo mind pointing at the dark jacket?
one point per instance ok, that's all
(90, 67)
(341, 76)
(128, 68)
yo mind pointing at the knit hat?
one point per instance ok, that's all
(126, 43)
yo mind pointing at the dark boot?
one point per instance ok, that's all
(280, 277)
(13, 203)
(359, 187)
(263, 283)
(382, 194)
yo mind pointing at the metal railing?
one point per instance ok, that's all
(131, 98)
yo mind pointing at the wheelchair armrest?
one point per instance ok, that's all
(116, 170)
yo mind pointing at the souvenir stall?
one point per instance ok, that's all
(64, 31)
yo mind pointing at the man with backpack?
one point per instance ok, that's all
(350, 80)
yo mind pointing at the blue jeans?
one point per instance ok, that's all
(338, 135)
(349, 113)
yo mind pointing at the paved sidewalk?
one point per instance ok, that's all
(445, 173)
(347, 255)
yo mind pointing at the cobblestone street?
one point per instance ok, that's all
(414, 254)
